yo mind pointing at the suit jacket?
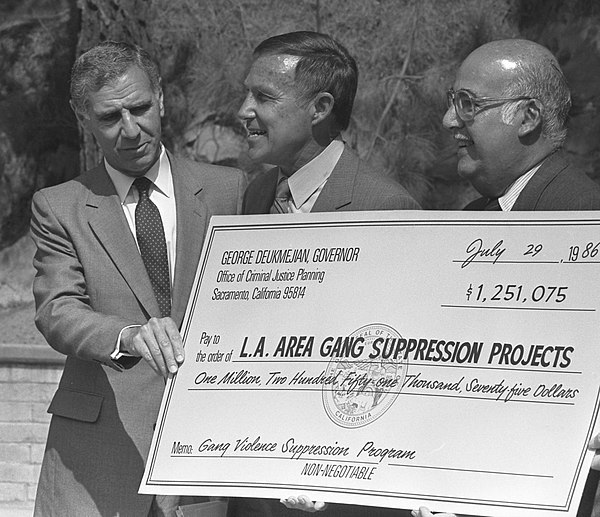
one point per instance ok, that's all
(557, 185)
(351, 186)
(90, 283)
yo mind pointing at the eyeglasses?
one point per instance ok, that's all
(467, 105)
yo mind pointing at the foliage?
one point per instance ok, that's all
(407, 52)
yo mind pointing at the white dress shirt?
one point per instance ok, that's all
(507, 201)
(163, 196)
(308, 181)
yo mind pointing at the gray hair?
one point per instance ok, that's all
(104, 63)
(543, 80)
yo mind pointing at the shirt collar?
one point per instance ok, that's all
(159, 174)
(308, 178)
(508, 200)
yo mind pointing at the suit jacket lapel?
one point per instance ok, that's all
(339, 188)
(107, 221)
(263, 188)
(530, 195)
(192, 221)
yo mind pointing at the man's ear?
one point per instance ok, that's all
(322, 107)
(532, 118)
(82, 118)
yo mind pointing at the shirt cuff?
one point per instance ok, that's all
(117, 353)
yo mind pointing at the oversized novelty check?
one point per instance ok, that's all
(398, 359)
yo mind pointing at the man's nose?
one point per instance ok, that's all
(129, 125)
(451, 119)
(246, 110)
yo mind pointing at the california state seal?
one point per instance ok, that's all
(364, 389)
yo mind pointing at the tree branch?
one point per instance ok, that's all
(401, 78)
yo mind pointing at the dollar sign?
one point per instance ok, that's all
(469, 292)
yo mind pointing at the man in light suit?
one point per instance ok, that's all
(300, 92)
(99, 298)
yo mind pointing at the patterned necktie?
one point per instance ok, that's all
(152, 244)
(493, 204)
(281, 203)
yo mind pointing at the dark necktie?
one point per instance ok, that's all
(493, 204)
(281, 203)
(152, 244)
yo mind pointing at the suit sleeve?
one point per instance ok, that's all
(374, 190)
(400, 202)
(64, 314)
(389, 196)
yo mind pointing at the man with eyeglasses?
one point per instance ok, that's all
(507, 112)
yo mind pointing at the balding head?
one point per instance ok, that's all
(508, 112)
(524, 68)
(511, 54)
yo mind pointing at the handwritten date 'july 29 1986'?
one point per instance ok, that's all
(479, 251)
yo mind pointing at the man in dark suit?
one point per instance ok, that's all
(507, 112)
(117, 250)
(301, 89)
